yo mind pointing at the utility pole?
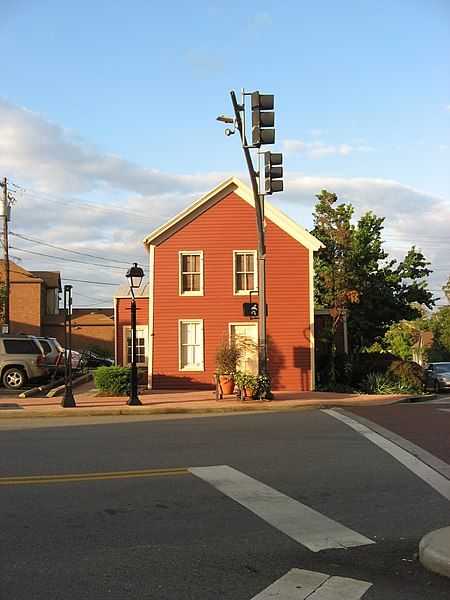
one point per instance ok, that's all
(262, 133)
(259, 209)
(5, 327)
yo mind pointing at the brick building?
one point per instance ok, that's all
(34, 309)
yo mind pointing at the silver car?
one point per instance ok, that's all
(438, 376)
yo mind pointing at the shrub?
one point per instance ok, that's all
(227, 356)
(378, 383)
(410, 374)
(245, 380)
(402, 377)
(114, 381)
(343, 368)
(371, 362)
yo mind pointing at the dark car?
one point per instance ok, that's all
(93, 360)
(438, 376)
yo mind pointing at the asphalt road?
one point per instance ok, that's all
(176, 536)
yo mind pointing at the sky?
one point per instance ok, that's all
(108, 120)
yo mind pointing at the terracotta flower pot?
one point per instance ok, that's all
(226, 384)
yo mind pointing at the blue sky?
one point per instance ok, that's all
(115, 103)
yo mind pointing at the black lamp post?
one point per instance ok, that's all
(68, 401)
(134, 275)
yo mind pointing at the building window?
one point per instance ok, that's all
(52, 301)
(141, 345)
(244, 271)
(191, 273)
(191, 345)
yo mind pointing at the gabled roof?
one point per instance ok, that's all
(18, 274)
(93, 319)
(233, 184)
(51, 279)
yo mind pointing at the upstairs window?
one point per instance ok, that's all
(52, 301)
(191, 273)
(245, 279)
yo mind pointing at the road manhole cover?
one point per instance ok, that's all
(9, 406)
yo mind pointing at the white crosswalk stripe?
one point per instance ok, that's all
(419, 468)
(303, 524)
(300, 584)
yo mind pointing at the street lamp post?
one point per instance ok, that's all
(68, 401)
(134, 275)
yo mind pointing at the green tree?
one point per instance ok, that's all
(336, 286)
(399, 339)
(446, 290)
(354, 272)
(439, 324)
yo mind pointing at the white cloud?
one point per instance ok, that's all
(81, 198)
(319, 148)
(447, 107)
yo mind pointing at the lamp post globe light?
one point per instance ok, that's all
(134, 275)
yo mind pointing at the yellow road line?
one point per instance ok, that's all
(30, 479)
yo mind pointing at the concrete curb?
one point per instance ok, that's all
(150, 410)
(434, 551)
(422, 398)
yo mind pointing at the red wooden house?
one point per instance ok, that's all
(202, 268)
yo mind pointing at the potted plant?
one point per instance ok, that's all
(246, 382)
(227, 356)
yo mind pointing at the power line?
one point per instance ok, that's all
(66, 259)
(91, 297)
(23, 237)
(67, 200)
(86, 281)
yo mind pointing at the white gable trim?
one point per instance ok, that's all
(233, 184)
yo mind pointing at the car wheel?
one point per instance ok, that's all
(437, 387)
(14, 378)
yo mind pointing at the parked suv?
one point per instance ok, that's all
(21, 358)
(54, 352)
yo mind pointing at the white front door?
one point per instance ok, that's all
(245, 335)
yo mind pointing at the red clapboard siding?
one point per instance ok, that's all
(230, 225)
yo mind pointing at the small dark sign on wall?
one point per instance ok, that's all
(250, 309)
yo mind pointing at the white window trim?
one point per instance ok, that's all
(190, 367)
(126, 329)
(180, 274)
(255, 285)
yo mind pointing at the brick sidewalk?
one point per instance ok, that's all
(426, 425)
(171, 401)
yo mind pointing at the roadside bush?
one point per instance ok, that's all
(378, 383)
(343, 368)
(371, 362)
(114, 381)
(401, 377)
(410, 374)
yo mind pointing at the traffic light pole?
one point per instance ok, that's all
(259, 209)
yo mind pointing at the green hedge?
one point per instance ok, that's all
(373, 373)
(388, 374)
(114, 381)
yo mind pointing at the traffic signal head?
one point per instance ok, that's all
(263, 119)
(273, 172)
